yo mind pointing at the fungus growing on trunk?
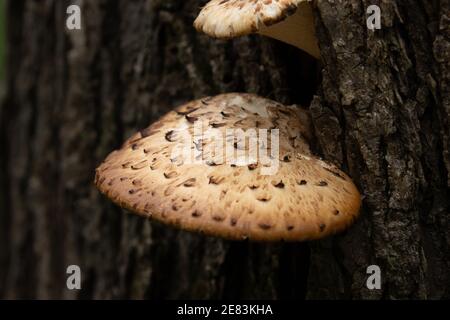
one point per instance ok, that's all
(290, 21)
(235, 166)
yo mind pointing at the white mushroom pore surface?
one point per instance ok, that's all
(304, 199)
(290, 21)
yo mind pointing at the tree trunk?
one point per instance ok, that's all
(381, 110)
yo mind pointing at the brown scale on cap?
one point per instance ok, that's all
(290, 21)
(304, 199)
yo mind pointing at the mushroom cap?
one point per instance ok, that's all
(232, 18)
(222, 195)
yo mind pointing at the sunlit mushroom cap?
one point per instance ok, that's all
(179, 172)
(231, 18)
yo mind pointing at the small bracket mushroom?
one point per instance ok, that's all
(290, 21)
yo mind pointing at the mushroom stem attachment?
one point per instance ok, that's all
(297, 30)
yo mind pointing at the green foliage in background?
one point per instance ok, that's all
(2, 39)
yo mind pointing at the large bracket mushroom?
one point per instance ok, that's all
(193, 179)
(290, 21)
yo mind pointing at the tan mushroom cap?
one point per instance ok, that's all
(290, 21)
(303, 199)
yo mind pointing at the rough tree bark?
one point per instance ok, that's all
(381, 109)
